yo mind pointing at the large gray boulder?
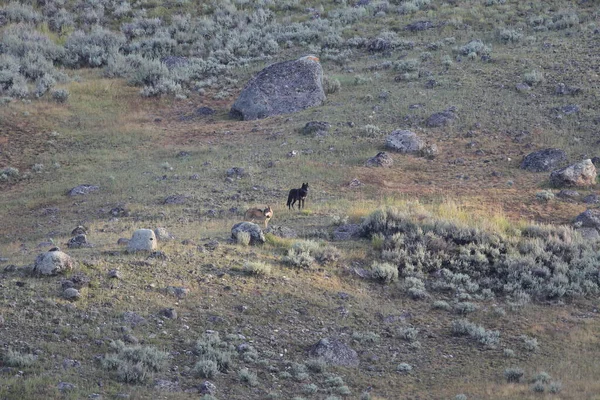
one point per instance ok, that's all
(580, 174)
(142, 240)
(256, 234)
(544, 160)
(52, 262)
(404, 141)
(281, 88)
(334, 352)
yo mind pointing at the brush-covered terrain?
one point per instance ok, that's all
(464, 278)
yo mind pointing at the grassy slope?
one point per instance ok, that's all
(109, 136)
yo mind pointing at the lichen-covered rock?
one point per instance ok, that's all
(256, 234)
(163, 235)
(580, 174)
(317, 128)
(52, 263)
(281, 88)
(334, 352)
(590, 218)
(404, 141)
(544, 160)
(82, 190)
(142, 240)
(382, 159)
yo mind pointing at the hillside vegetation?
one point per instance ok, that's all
(466, 277)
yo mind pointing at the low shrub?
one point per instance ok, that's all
(514, 374)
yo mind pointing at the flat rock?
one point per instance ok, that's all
(442, 118)
(544, 160)
(282, 232)
(281, 88)
(82, 190)
(404, 141)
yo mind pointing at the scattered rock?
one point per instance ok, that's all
(282, 232)
(292, 153)
(443, 118)
(592, 199)
(134, 319)
(334, 352)
(163, 235)
(71, 294)
(175, 199)
(564, 90)
(281, 88)
(596, 162)
(382, 159)
(114, 274)
(346, 232)
(317, 128)
(123, 242)
(212, 245)
(570, 109)
(522, 87)
(544, 160)
(256, 234)
(142, 240)
(78, 241)
(208, 387)
(65, 386)
(404, 141)
(82, 190)
(236, 172)
(10, 268)
(159, 255)
(119, 212)
(580, 174)
(52, 263)
(170, 313)
(178, 291)
(567, 194)
(419, 26)
(166, 385)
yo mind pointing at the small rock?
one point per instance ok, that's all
(114, 274)
(134, 319)
(72, 294)
(178, 291)
(544, 160)
(129, 338)
(175, 199)
(317, 128)
(568, 194)
(119, 212)
(282, 232)
(443, 118)
(589, 234)
(522, 87)
(68, 363)
(382, 159)
(208, 387)
(169, 313)
(236, 172)
(592, 199)
(83, 190)
(78, 241)
(430, 151)
(256, 234)
(346, 232)
(292, 153)
(123, 242)
(65, 386)
(163, 235)
(355, 183)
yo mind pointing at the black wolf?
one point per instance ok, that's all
(298, 195)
